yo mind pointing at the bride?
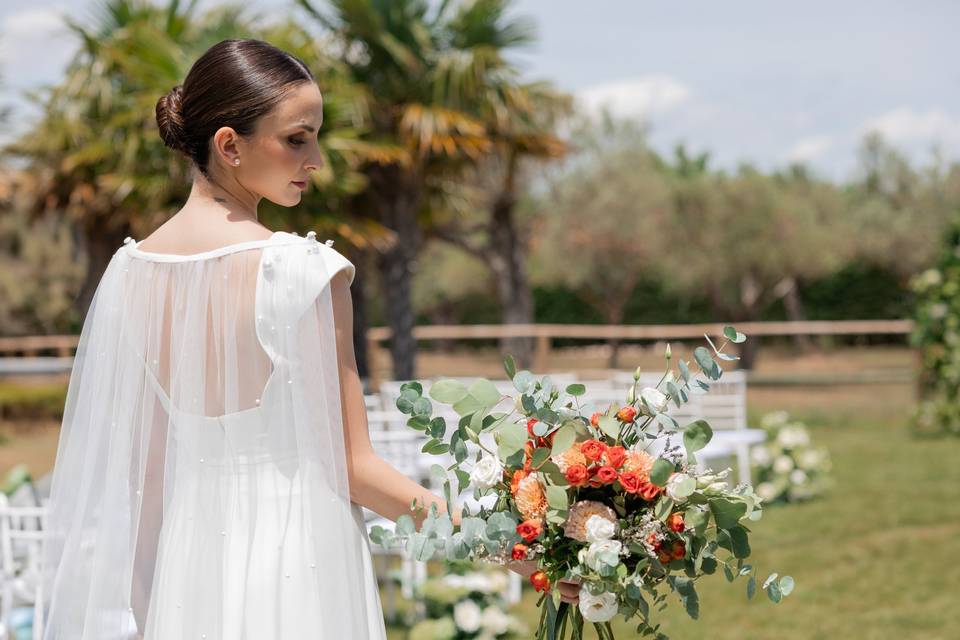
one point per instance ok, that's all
(214, 452)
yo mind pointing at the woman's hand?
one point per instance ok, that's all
(569, 589)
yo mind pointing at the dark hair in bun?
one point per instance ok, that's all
(233, 84)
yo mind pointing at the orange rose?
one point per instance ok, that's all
(626, 414)
(679, 550)
(577, 475)
(529, 530)
(675, 522)
(592, 449)
(540, 581)
(630, 482)
(519, 551)
(615, 456)
(606, 474)
(650, 491)
(595, 420)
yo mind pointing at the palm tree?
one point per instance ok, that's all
(434, 80)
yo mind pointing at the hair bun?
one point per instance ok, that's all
(170, 119)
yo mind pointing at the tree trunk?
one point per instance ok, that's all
(507, 261)
(794, 308)
(750, 295)
(394, 197)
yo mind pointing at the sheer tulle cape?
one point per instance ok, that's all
(205, 395)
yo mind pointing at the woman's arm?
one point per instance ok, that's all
(374, 482)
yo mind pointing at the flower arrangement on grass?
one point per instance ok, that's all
(466, 605)
(613, 499)
(936, 335)
(787, 467)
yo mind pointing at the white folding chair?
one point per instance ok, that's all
(21, 571)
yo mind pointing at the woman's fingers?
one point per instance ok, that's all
(569, 591)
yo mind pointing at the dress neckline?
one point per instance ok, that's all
(132, 247)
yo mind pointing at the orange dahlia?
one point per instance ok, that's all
(531, 500)
(570, 457)
(639, 462)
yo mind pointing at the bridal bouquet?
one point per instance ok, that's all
(610, 498)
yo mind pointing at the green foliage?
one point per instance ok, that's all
(937, 335)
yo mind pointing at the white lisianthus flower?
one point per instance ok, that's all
(600, 528)
(759, 455)
(494, 621)
(654, 398)
(783, 464)
(593, 556)
(797, 476)
(766, 491)
(598, 608)
(809, 459)
(487, 473)
(467, 616)
(680, 486)
(792, 437)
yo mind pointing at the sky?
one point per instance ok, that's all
(755, 81)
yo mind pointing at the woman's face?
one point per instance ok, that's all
(277, 159)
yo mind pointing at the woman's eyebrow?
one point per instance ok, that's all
(307, 127)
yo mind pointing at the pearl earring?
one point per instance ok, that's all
(237, 161)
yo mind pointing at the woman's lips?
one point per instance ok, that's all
(302, 185)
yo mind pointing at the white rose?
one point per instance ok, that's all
(766, 491)
(487, 473)
(654, 398)
(477, 581)
(809, 459)
(783, 464)
(680, 486)
(599, 528)
(495, 621)
(792, 437)
(759, 455)
(599, 608)
(592, 556)
(797, 476)
(467, 615)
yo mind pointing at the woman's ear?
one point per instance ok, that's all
(226, 145)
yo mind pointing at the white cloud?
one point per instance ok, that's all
(32, 36)
(637, 98)
(907, 126)
(809, 149)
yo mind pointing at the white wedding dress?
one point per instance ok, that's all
(200, 488)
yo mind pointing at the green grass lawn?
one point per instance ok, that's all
(873, 558)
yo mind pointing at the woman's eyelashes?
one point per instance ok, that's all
(296, 141)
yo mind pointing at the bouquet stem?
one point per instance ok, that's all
(554, 623)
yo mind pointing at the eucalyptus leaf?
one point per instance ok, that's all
(733, 335)
(696, 436)
(448, 391)
(523, 381)
(564, 438)
(510, 366)
(786, 585)
(576, 389)
(661, 471)
(727, 513)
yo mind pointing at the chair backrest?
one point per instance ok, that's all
(21, 537)
(724, 406)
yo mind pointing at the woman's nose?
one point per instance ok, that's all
(315, 161)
